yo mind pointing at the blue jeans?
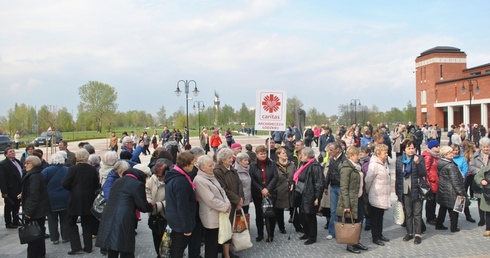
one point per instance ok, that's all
(334, 199)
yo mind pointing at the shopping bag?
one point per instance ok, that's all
(241, 240)
(398, 214)
(240, 224)
(268, 207)
(164, 249)
(224, 231)
(347, 233)
(30, 231)
(98, 205)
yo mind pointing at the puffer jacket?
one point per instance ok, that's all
(246, 183)
(432, 178)
(416, 178)
(451, 183)
(378, 183)
(476, 163)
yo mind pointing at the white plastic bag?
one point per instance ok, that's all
(398, 214)
(225, 230)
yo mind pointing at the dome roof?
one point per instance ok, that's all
(441, 49)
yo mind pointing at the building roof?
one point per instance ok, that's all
(441, 49)
(477, 67)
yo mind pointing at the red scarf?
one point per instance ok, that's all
(187, 177)
(300, 170)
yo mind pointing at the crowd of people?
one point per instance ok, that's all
(187, 189)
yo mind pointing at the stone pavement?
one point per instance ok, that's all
(467, 243)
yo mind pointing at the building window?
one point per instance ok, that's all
(487, 71)
(475, 73)
(423, 97)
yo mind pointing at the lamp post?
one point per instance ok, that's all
(471, 90)
(354, 103)
(195, 91)
(199, 109)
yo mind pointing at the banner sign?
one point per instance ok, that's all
(270, 111)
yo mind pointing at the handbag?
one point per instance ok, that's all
(347, 233)
(157, 223)
(98, 205)
(240, 222)
(224, 231)
(241, 240)
(398, 214)
(268, 207)
(30, 231)
(424, 192)
(164, 249)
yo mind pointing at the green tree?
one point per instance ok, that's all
(409, 113)
(227, 115)
(244, 115)
(99, 100)
(293, 105)
(161, 116)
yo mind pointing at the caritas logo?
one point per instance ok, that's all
(271, 103)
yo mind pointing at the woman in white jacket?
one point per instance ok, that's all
(155, 191)
(378, 186)
(212, 200)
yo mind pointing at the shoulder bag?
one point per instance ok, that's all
(29, 231)
(241, 240)
(98, 205)
(157, 223)
(268, 207)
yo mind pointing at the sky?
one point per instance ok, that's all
(325, 53)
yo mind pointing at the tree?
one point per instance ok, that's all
(227, 115)
(99, 100)
(244, 114)
(162, 116)
(293, 105)
(409, 113)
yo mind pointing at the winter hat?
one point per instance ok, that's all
(236, 145)
(433, 143)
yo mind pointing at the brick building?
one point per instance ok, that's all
(448, 92)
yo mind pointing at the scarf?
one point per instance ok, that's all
(300, 170)
(408, 165)
(187, 177)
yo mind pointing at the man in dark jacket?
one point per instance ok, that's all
(10, 178)
(70, 156)
(309, 137)
(181, 203)
(333, 181)
(325, 139)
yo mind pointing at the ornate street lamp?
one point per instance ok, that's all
(476, 90)
(195, 91)
(354, 103)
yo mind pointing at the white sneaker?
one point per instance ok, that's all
(329, 237)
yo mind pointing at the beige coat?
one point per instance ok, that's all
(396, 139)
(212, 199)
(378, 184)
(156, 193)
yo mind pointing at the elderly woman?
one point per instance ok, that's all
(310, 177)
(451, 187)
(115, 174)
(155, 191)
(348, 138)
(410, 173)
(285, 172)
(108, 161)
(229, 179)
(242, 167)
(82, 181)
(378, 186)
(127, 195)
(478, 162)
(58, 197)
(181, 203)
(463, 167)
(351, 190)
(212, 200)
(35, 203)
(264, 179)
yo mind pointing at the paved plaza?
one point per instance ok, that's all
(467, 243)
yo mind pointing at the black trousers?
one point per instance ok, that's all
(377, 222)
(116, 254)
(430, 208)
(480, 212)
(37, 248)
(293, 213)
(179, 243)
(468, 184)
(453, 216)
(194, 248)
(259, 220)
(310, 225)
(87, 228)
(487, 216)
(157, 239)
(11, 210)
(211, 245)
(279, 219)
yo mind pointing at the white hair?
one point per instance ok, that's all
(57, 159)
(110, 158)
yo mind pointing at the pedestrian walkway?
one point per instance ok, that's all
(469, 242)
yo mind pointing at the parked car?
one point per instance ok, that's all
(5, 142)
(41, 139)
